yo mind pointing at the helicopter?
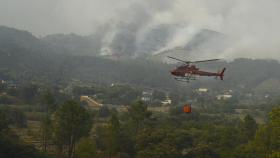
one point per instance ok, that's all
(188, 71)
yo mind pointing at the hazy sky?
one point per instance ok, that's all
(253, 24)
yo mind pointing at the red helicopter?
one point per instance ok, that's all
(187, 72)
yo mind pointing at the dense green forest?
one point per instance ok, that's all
(69, 130)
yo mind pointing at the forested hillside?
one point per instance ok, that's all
(25, 57)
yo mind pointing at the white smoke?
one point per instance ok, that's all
(253, 24)
(180, 38)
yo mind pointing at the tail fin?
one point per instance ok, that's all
(222, 74)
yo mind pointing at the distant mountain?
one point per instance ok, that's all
(11, 39)
(21, 51)
(26, 58)
(122, 42)
(73, 44)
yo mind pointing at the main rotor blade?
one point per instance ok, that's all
(199, 61)
(187, 62)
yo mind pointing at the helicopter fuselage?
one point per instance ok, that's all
(192, 70)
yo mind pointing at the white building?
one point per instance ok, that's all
(202, 90)
(147, 96)
(166, 102)
(224, 96)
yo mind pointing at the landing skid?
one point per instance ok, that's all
(184, 79)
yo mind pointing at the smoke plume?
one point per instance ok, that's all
(251, 25)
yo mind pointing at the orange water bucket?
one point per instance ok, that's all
(187, 108)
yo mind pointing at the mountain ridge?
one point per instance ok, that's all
(43, 63)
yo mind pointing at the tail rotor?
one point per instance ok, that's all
(222, 74)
